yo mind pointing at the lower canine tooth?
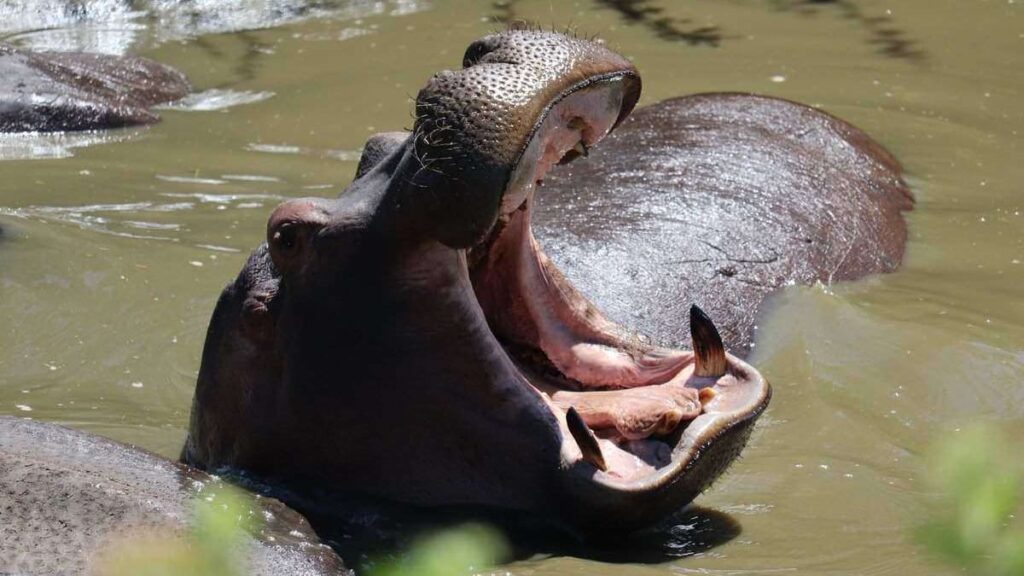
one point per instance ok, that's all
(585, 439)
(709, 354)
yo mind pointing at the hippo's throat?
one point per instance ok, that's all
(625, 404)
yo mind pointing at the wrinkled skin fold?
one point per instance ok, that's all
(410, 339)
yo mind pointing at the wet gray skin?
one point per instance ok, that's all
(63, 91)
(410, 340)
(739, 195)
(67, 497)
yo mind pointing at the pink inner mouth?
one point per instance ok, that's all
(636, 398)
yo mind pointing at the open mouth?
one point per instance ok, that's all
(633, 415)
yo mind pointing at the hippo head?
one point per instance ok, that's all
(410, 339)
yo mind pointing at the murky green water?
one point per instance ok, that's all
(111, 260)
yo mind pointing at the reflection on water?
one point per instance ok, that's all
(111, 260)
(646, 13)
(883, 32)
(216, 99)
(50, 145)
(149, 220)
(122, 26)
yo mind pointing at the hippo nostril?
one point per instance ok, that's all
(477, 50)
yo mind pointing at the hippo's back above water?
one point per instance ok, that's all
(65, 494)
(56, 91)
(721, 199)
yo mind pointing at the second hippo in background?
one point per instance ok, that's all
(71, 91)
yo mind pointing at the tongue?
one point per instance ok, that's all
(636, 413)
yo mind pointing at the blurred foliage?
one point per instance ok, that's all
(465, 550)
(980, 480)
(221, 522)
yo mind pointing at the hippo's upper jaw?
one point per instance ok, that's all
(411, 340)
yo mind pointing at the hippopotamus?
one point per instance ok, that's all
(411, 340)
(65, 91)
(66, 496)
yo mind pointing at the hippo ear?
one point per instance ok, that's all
(291, 230)
(378, 147)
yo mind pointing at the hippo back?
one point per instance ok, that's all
(719, 200)
(66, 494)
(55, 91)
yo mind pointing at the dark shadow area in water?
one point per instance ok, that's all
(888, 39)
(640, 12)
(652, 17)
(365, 531)
(248, 64)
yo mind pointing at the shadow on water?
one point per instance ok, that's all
(882, 32)
(247, 66)
(653, 18)
(889, 39)
(366, 531)
(641, 12)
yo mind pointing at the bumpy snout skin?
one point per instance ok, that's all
(474, 124)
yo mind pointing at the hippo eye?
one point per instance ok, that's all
(286, 237)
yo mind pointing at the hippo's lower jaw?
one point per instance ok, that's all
(643, 426)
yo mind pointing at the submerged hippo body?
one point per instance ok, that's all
(721, 199)
(65, 495)
(411, 340)
(58, 91)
